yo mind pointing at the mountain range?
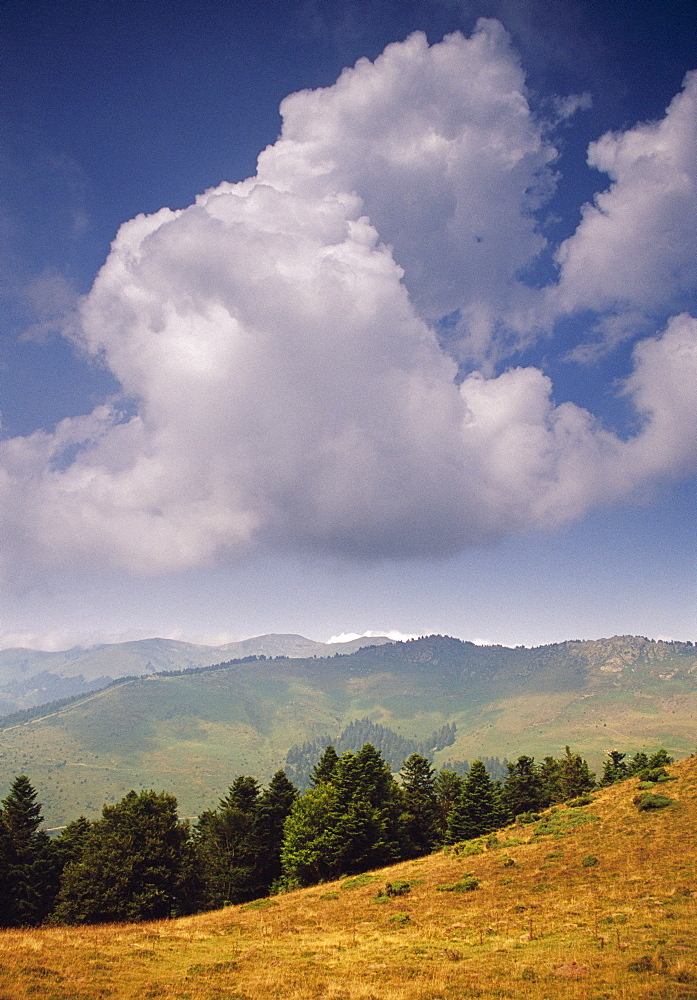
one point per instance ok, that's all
(30, 677)
(191, 731)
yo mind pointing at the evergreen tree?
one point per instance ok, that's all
(575, 776)
(312, 850)
(522, 790)
(136, 863)
(228, 845)
(325, 767)
(615, 768)
(420, 804)
(346, 825)
(474, 811)
(447, 787)
(28, 862)
(274, 806)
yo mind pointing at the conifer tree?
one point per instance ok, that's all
(474, 811)
(420, 804)
(615, 768)
(273, 808)
(135, 864)
(28, 862)
(447, 787)
(522, 790)
(325, 767)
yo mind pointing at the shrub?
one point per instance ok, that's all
(400, 918)
(466, 884)
(647, 800)
(395, 889)
(522, 819)
(582, 800)
(358, 881)
(589, 861)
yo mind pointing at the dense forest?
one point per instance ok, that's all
(141, 861)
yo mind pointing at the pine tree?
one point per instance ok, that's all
(615, 768)
(522, 789)
(274, 806)
(325, 767)
(421, 805)
(447, 787)
(474, 811)
(228, 845)
(575, 776)
(135, 864)
(28, 861)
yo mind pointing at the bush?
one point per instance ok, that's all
(582, 800)
(522, 819)
(589, 861)
(395, 889)
(466, 884)
(647, 801)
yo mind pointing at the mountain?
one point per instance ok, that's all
(588, 902)
(191, 733)
(31, 677)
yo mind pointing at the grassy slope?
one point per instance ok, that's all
(543, 928)
(191, 735)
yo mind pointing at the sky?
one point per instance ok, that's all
(327, 317)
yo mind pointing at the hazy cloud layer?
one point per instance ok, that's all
(282, 379)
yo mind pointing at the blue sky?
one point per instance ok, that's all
(429, 365)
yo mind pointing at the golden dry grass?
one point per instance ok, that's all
(541, 925)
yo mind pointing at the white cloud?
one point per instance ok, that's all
(635, 249)
(448, 160)
(284, 385)
(393, 634)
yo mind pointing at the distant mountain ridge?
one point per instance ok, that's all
(31, 677)
(192, 730)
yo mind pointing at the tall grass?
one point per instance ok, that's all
(540, 925)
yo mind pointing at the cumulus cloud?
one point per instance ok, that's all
(634, 252)
(283, 382)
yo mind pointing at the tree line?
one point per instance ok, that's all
(140, 861)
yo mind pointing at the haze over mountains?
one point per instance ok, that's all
(31, 677)
(191, 733)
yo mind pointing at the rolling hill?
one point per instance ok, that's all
(598, 901)
(191, 733)
(30, 677)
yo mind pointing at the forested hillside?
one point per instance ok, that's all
(191, 732)
(591, 899)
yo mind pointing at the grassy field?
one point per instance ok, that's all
(588, 903)
(191, 735)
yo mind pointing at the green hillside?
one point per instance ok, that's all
(594, 902)
(191, 733)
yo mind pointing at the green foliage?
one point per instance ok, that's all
(647, 801)
(394, 889)
(421, 812)
(393, 748)
(347, 825)
(589, 861)
(400, 918)
(447, 786)
(135, 863)
(468, 883)
(358, 881)
(474, 811)
(28, 859)
(582, 800)
(524, 788)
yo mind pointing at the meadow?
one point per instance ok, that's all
(588, 902)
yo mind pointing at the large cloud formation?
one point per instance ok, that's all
(283, 382)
